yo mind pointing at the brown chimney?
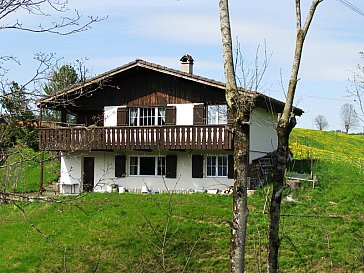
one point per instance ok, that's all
(187, 64)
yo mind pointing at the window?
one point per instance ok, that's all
(134, 165)
(147, 116)
(161, 169)
(217, 165)
(217, 114)
(147, 165)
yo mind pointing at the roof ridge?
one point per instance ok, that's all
(153, 66)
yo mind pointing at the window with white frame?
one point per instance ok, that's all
(147, 165)
(217, 165)
(217, 114)
(147, 116)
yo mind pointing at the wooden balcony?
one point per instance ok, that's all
(136, 138)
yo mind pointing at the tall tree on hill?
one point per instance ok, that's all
(321, 122)
(21, 119)
(357, 90)
(348, 117)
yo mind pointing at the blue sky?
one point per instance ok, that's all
(161, 31)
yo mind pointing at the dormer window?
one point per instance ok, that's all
(147, 116)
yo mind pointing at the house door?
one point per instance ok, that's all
(88, 173)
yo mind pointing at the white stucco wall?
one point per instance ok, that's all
(184, 113)
(263, 136)
(104, 170)
(110, 115)
(105, 174)
(71, 173)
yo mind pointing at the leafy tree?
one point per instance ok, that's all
(7, 139)
(15, 102)
(348, 117)
(321, 122)
(22, 122)
(60, 79)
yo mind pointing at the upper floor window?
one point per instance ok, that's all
(217, 114)
(147, 116)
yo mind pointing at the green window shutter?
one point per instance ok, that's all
(171, 166)
(120, 165)
(197, 166)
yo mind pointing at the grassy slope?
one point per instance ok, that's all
(21, 171)
(328, 146)
(321, 232)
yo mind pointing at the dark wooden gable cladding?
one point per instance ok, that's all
(144, 87)
(88, 118)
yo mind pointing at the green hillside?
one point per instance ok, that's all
(328, 146)
(322, 230)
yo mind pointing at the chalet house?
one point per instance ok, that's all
(146, 127)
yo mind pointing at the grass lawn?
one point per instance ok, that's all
(21, 171)
(322, 231)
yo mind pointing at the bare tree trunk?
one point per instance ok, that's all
(239, 104)
(285, 125)
(240, 205)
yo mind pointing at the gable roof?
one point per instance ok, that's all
(261, 98)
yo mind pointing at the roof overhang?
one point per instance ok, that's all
(261, 99)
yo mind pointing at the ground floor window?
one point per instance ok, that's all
(147, 165)
(217, 165)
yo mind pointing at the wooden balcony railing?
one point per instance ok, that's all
(136, 138)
